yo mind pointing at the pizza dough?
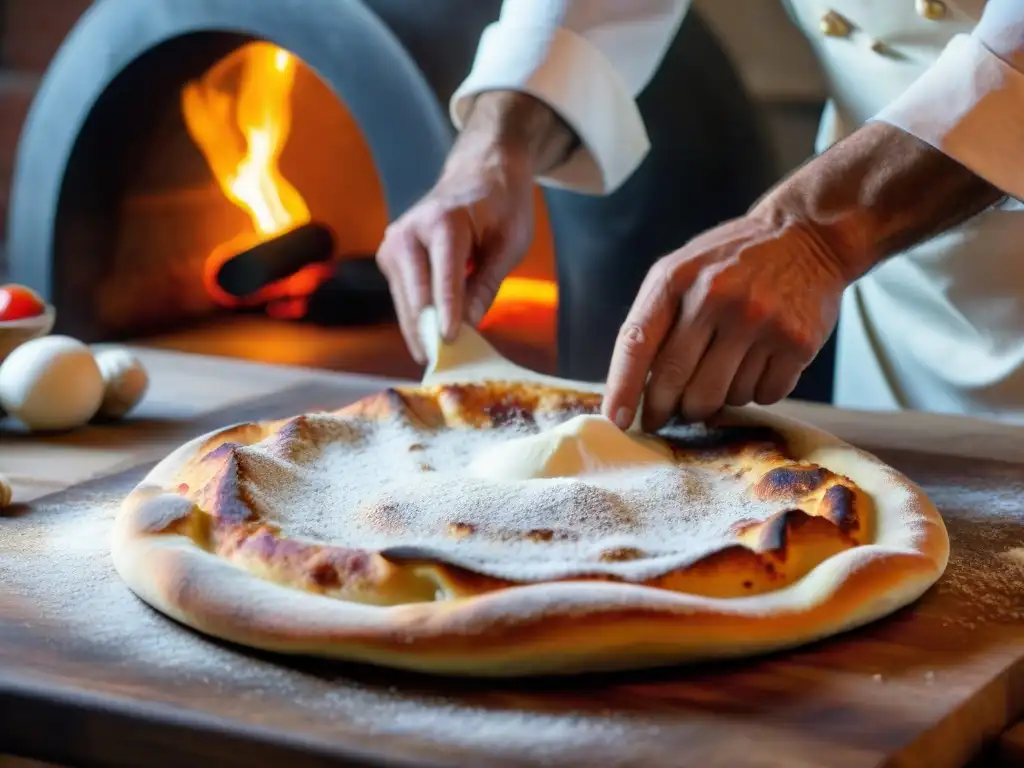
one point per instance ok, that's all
(491, 522)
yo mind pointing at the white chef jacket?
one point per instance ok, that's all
(939, 328)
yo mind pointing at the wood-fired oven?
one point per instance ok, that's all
(216, 175)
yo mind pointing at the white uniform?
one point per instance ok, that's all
(938, 328)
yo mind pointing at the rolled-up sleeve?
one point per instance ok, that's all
(970, 103)
(587, 60)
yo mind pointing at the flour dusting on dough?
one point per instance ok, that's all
(392, 485)
(1015, 555)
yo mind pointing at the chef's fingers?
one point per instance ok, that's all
(649, 320)
(450, 241)
(483, 284)
(410, 264)
(672, 370)
(751, 370)
(403, 260)
(411, 338)
(780, 377)
(707, 388)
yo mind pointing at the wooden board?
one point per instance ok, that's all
(88, 673)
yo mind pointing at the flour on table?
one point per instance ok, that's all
(984, 580)
(621, 508)
(1015, 555)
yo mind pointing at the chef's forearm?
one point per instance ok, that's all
(876, 193)
(518, 124)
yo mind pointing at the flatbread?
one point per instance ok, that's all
(490, 522)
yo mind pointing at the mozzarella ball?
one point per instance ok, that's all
(51, 383)
(125, 381)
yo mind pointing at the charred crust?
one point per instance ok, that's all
(622, 554)
(334, 567)
(235, 437)
(408, 553)
(228, 501)
(731, 559)
(510, 411)
(396, 403)
(324, 575)
(708, 442)
(423, 409)
(775, 531)
(460, 530)
(537, 535)
(540, 534)
(839, 506)
(407, 405)
(496, 404)
(221, 452)
(291, 439)
(791, 482)
(327, 568)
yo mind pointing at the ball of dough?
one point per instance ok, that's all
(586, 444)
(125, 381)
(51, 383)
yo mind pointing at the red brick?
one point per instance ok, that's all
(34, 29)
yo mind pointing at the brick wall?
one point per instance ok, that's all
(30, 33)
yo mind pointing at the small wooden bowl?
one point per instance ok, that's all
(14, 333)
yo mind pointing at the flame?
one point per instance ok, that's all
(239, 115)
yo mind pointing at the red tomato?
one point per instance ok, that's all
(18, 302)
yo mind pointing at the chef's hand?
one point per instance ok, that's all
(479, 217)
(454, 247)
(732, 317)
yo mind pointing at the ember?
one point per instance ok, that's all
(275, 259)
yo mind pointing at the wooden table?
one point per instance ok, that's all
(928, 686)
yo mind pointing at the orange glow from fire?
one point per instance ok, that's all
(524, 302)
(239, 115)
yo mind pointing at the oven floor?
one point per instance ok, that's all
(375, 350)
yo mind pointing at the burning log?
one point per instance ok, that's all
(277, 258)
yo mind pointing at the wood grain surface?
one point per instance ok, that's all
(90, 675)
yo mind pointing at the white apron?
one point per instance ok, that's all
(940, 327)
